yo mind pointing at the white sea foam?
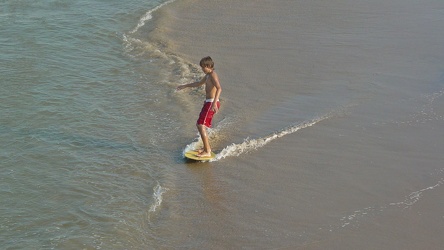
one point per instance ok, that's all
(157, 196)
(414, 197)
(148, 16)
(409, 201)
(253, 144)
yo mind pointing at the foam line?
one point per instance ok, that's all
(416, 196)
(148, 16)
(253, 144)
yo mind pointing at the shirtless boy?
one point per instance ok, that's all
(211, 104)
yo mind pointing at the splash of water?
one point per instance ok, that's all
(253, 144)
(157, 196)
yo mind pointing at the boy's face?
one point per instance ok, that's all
(206, 70)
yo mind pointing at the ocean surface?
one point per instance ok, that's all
(329, 136)
(85, 137)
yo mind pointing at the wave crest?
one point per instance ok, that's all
(148, 16)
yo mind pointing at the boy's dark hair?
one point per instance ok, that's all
(207, 62)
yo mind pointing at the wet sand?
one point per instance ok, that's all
(367, 174)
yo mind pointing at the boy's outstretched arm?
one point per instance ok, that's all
(193, 84)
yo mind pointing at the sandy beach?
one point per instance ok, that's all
(348, 97)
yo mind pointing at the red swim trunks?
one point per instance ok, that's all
(206, 114)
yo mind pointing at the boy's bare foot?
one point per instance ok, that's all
(199, 151)
(204, 154)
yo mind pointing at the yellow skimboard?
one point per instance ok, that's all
(192, 154)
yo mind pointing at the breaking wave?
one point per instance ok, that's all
(148, 16)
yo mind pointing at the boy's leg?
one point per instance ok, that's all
(203, 134)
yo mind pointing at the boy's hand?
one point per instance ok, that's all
(214, 107)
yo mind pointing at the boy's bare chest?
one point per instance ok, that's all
(210, 89)
(209, 84)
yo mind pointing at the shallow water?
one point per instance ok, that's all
(83, 152)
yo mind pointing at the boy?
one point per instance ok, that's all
(211, 104)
